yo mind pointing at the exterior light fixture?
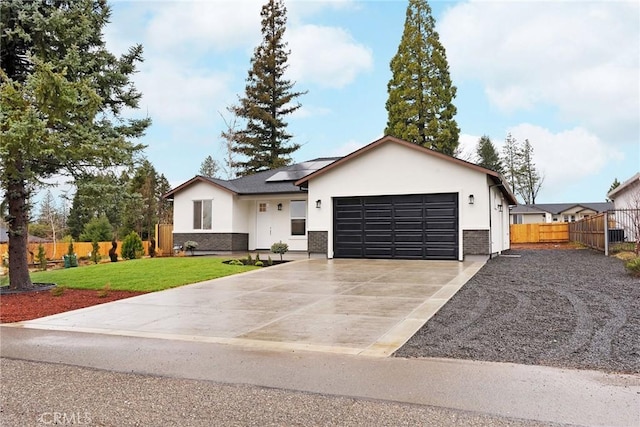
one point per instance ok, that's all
(471, 199)
(318, 204)
(500, 208)
(279, 206)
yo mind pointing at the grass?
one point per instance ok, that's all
(145, 275)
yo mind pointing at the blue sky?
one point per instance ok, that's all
(565, 75)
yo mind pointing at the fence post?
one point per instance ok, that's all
(606, 233)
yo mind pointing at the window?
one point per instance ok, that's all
(517, 219)
(298, 217)
(262, 207)
(202, 214)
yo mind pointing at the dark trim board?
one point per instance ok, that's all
(419, 226)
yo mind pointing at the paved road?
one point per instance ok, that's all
(228, 382)
(90, 397)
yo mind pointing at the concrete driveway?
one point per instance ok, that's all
(366, 307)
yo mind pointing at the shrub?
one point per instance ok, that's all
(280, 248)
(113, 256)
(249, 260)
(633, 266)
(42, 257)
(236, 262)
(104, 292)
(152, 247)
(269, 261)
(190, 246)
(259, 263)
(57, 291)
(97, 229)
(95, 252)
(132, 247)
(70, 250)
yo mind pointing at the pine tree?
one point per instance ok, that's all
(209, 167)
(530, 181)
(420, 103)
(62, 95)
(615, 184)
(512, 160)
(487, 155)
(268, 99)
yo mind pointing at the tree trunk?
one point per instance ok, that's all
(18, 220)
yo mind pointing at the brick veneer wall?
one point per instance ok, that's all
(318, 241)
(476, 242)
(215, 241)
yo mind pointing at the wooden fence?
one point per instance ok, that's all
(164, 241)
(55, 251)
(589, 231)
(539, 233)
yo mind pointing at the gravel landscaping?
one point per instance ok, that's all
(563, 308)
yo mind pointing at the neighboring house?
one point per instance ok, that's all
(627, 194)
(389, 199)
(556, 212)
(4, 237)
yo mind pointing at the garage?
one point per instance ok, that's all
(420, 226)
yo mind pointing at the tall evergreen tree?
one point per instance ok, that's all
(268, 99)
(615, 184)
(420, 104)
(487, 155)
(62, 96)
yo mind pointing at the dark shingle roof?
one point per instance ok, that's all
(267, 182)
(556, 208)
(4, 237)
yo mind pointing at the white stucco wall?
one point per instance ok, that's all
(628, 198)
(280, 221)
(393, 169)
(222, 208)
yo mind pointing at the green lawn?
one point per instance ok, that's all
(148, 274)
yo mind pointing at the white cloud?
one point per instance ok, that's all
(201, 25)
(327, 56)
(172, 93)
(565, 158)
(306, 111)
(578, 59)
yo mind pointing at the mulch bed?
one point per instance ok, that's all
(32, 305)
(563, 308)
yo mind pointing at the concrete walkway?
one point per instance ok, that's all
(365, 307)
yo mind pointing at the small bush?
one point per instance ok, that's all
(190, 246)
(132, 247)
(259, 263)
(57, 291)
(249, 260)
(70, 250)
(236, 262)
(113, 255)
(42, 257)
(269, 261)
(104, 292)
(280, 248)
(152, 247)
(95, 252)
(633, 266)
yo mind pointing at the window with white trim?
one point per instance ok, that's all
(202, 214)
(298, 209)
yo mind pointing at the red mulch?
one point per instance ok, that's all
(32, 305)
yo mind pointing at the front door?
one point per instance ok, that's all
(263, 226)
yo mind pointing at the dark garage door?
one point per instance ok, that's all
(422, 226)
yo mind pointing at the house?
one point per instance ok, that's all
(627, 194)
(556, 212)
(389, 199)
(4, 237)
